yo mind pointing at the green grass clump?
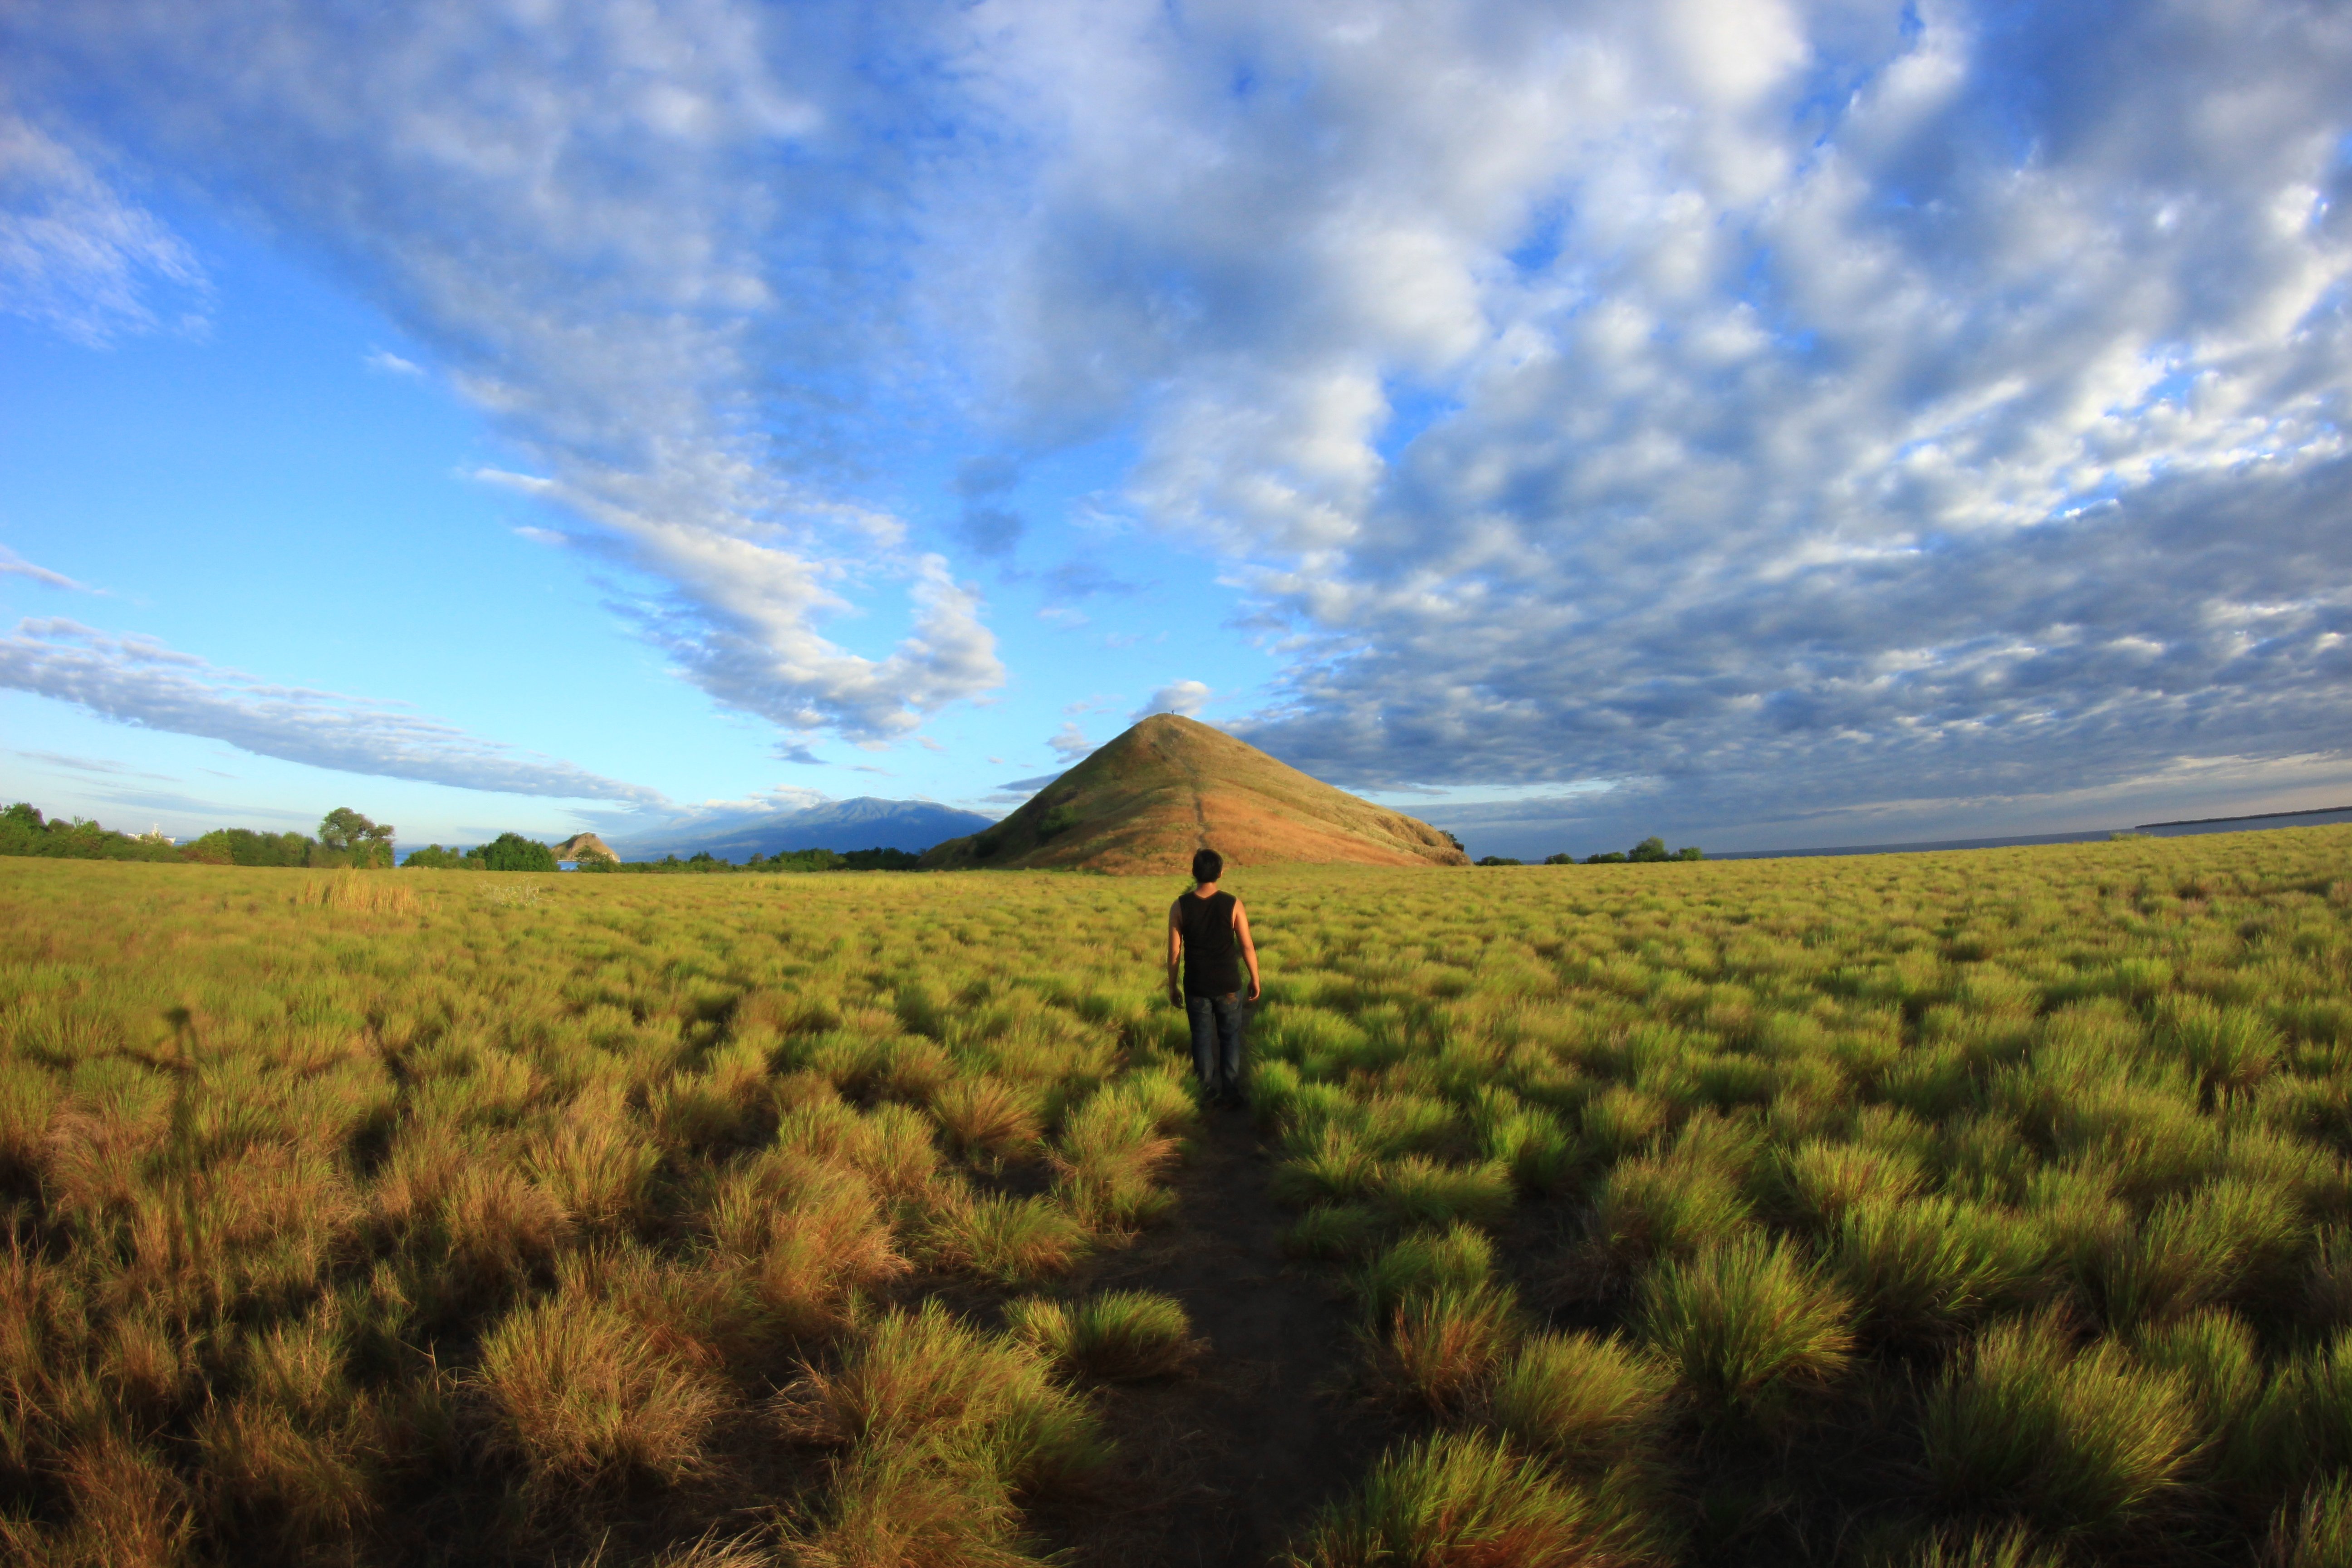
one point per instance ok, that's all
(1457, 1259)
(1824, 1179)
(1746, 1324)
(1458, 1500)
(1119, 1336)
(1653, 1207)
(923, 1378)
(1586, 1401)
(1437, 1347)
(1925, 1267)
(1336, 1231)
(2315, 1531)
(1415, 1189)
(1007, 1238)
(1328, 1164)
(2222, 1241)
(2011, 1546)
(2077, 1438)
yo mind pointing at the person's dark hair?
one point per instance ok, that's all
(1207, 865)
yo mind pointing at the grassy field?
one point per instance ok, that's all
(1925, 1209)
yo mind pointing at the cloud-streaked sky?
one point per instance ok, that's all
(1763, 423)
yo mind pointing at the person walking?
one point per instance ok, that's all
(1204, 928)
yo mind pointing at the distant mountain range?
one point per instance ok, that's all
(865, 823)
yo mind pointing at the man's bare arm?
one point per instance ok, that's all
(1249, 948)
(1175, 952)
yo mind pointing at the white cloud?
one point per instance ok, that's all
(1815, 402)
(76, 256)
(392, 364)
(138, 681)
(626, 234)
(1786, 402)
(14, 566)
(1069, 742)
(1184, 697)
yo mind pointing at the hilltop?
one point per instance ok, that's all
(1143, 803)
(581, 846)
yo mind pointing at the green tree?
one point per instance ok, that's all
(1650, 849)
(433, 858)
(513, 852)
(345, 832)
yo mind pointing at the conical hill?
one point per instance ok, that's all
(1142, 804)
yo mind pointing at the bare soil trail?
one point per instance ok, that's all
(1224, 1467)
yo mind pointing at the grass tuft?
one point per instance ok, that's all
(1458, 1500)
(2077, 1439)
(1119, 1336)
(1438, 1347)
(1745, 1325)
(1422, 1263)
(1586, 1401)
(578, 1397)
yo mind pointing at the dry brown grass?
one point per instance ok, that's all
(578, 1393)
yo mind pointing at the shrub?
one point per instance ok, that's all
(2076, 1440)
(1586, 1401)
(1746, 1323)
(1119, 1336)
(1458, 1500)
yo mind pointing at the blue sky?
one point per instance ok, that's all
(1761, 424)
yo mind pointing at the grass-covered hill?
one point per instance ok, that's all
(1141, 804)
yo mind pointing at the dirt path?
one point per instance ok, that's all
(1223, 1469)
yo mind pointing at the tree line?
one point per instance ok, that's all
(344, 838)
(513, 852)
(1652, 848)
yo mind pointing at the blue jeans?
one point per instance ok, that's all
(1217, 1043)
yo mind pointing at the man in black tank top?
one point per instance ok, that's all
(1205, 930)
